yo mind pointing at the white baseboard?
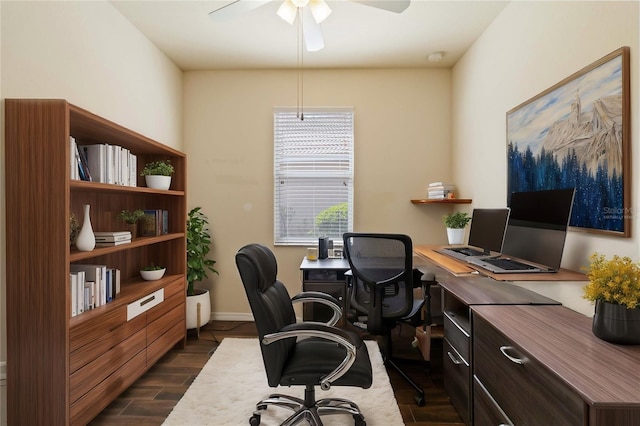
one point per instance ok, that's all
(3, 373)
(231, 316)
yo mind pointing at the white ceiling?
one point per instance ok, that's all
(355, 35)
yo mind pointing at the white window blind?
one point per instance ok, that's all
(313, 175)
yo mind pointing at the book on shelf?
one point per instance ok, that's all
(110, 237)
(112, 243)
(92, 286)
(155, 223)
(110, 164)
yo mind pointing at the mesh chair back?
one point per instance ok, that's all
(382, 270)
(270, 304)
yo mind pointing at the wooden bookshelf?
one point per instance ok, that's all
(64, 370)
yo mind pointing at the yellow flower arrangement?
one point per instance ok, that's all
(614, 281)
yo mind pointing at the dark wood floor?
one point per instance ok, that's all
(150, 399)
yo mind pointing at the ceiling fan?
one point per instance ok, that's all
(312, 13)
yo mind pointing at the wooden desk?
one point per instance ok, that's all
(459, 268)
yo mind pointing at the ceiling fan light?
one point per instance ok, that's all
(288, 11)
(300, 3)
(320, 10)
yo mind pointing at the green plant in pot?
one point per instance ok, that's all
(131, 218)
(455, 223)
(614, 286)
(157, 174)
(198, 247)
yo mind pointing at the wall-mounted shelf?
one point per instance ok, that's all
(444, 201)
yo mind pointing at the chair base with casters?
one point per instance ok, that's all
(308, 409)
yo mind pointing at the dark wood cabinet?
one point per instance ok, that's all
(327, 276)
(460, 295)
(542, 365)
(64, 369)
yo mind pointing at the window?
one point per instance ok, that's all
(313, 175)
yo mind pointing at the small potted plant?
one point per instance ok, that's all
(614, 286)
(157, 174)
(131, 218)
(455, 223)
(152, 272)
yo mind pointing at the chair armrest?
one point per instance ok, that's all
(349, 341)
(325, 299)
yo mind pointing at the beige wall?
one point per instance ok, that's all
(530, 47)
(87, 53)
(402, 125)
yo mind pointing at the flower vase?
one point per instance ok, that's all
(86, 241)
(616, 323)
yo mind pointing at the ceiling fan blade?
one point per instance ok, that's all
(313, 39)
(397, 6)
(235, 9)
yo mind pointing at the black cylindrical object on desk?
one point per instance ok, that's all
(323, 248)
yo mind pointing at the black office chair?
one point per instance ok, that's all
(306, 353)
(383, 280)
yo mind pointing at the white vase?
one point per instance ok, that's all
(86, 241)
(198, 309)
(455, 235)
(158, 182)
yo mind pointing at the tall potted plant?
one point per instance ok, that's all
(198, 247)
(455, 223)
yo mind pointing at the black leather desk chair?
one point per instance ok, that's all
(294, 354)
(383, 280)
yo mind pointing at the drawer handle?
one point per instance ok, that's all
(513, 359)
(151, 299)
(454, 359)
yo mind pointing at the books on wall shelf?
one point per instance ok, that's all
(112, 238)
(103, 163)
(92, 286)
(155, 223)
(440, 191)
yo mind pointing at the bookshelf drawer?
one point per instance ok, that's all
(165, 321)
(91, 403)
(95, 327)
(108, 340)
(145, 303)
(161, 345)
(83, 380)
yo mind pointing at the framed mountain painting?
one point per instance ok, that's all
(576, 134)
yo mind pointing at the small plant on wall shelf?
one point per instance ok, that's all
(457, 220)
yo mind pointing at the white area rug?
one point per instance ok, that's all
(233, 381)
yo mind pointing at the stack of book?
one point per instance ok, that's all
(103, 163)
(112, 238)
(155, 223)
(92, 286)
(440, 190)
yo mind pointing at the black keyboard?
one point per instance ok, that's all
(509, 264)
(469, 252)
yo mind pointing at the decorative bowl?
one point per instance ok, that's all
(153, 275)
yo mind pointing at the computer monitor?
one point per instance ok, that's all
(538, 225)
(487, 229)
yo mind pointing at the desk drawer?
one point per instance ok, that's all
(456, 333)
(458, 380)
(526, 391)
(486, 410)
